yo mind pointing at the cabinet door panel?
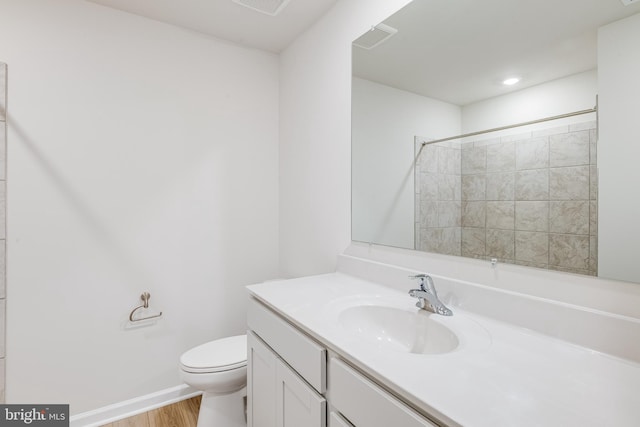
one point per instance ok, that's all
(297, 403)
(261, 383)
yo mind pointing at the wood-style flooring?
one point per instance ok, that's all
(180, 414)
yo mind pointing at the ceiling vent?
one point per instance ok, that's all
(374, 37)
(628, 2)
(270, 7)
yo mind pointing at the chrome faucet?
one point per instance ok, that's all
(428, 297)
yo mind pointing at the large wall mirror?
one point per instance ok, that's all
(448, 156)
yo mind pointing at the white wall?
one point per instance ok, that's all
(572, 93)
(142, 157)
(315, 129)
(385, 121)
(619, 149)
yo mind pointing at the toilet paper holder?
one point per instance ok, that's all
(145, 304)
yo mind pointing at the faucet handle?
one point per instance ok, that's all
(422, 277)
(426, 283)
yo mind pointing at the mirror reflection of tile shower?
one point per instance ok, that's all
(525, 198)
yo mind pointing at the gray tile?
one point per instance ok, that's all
(466, 144)
(532, 247)
(451, 241)
(428, 186)
(449, 161)
(500, 186)
(593, 255)
(429, 159)
(473, 241)
(582, 126)
(474, 160)
(449, 187)
(532, 216)
(532, 264)
(569, 217)
(593, 218)
(449, 214)
(422, 240)
(532, 185)
(447, 144)
(500, 244)
(551, 131)
(501, 215)
(593, 182)
(474, 214)
(501, 157)
(569, 251)
(442, 240)
(532, 154)
(428, 213)
(570, 183)
(581, 271)
(516, 137)
(593, 146)
(486, 142)
(570, 149)
(474, 187)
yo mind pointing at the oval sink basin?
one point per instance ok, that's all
(399, 330)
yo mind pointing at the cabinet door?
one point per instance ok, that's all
(261, 383)
(297, 403)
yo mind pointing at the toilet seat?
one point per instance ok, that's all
(216, 356)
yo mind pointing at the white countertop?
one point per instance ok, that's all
(500, 375)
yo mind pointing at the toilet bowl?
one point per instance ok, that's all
(219, 369)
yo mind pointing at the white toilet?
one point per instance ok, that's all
(219, 369)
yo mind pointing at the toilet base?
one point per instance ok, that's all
(228, 410)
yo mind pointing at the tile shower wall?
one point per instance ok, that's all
(528, 199)
(3, 151)
(438, 198)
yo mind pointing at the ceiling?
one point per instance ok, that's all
(230, 21)
(459, 51)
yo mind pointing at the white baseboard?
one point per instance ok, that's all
(131, 407)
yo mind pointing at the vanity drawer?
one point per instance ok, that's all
(363, 403)
(303, 354)
(335, 420)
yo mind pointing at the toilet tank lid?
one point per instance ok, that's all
(219, 353)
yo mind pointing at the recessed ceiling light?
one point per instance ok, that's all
(511, 81)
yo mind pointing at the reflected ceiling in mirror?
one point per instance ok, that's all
(461, 51)
(527, 195)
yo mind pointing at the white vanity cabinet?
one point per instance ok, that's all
(287, 382)
(286, 373)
